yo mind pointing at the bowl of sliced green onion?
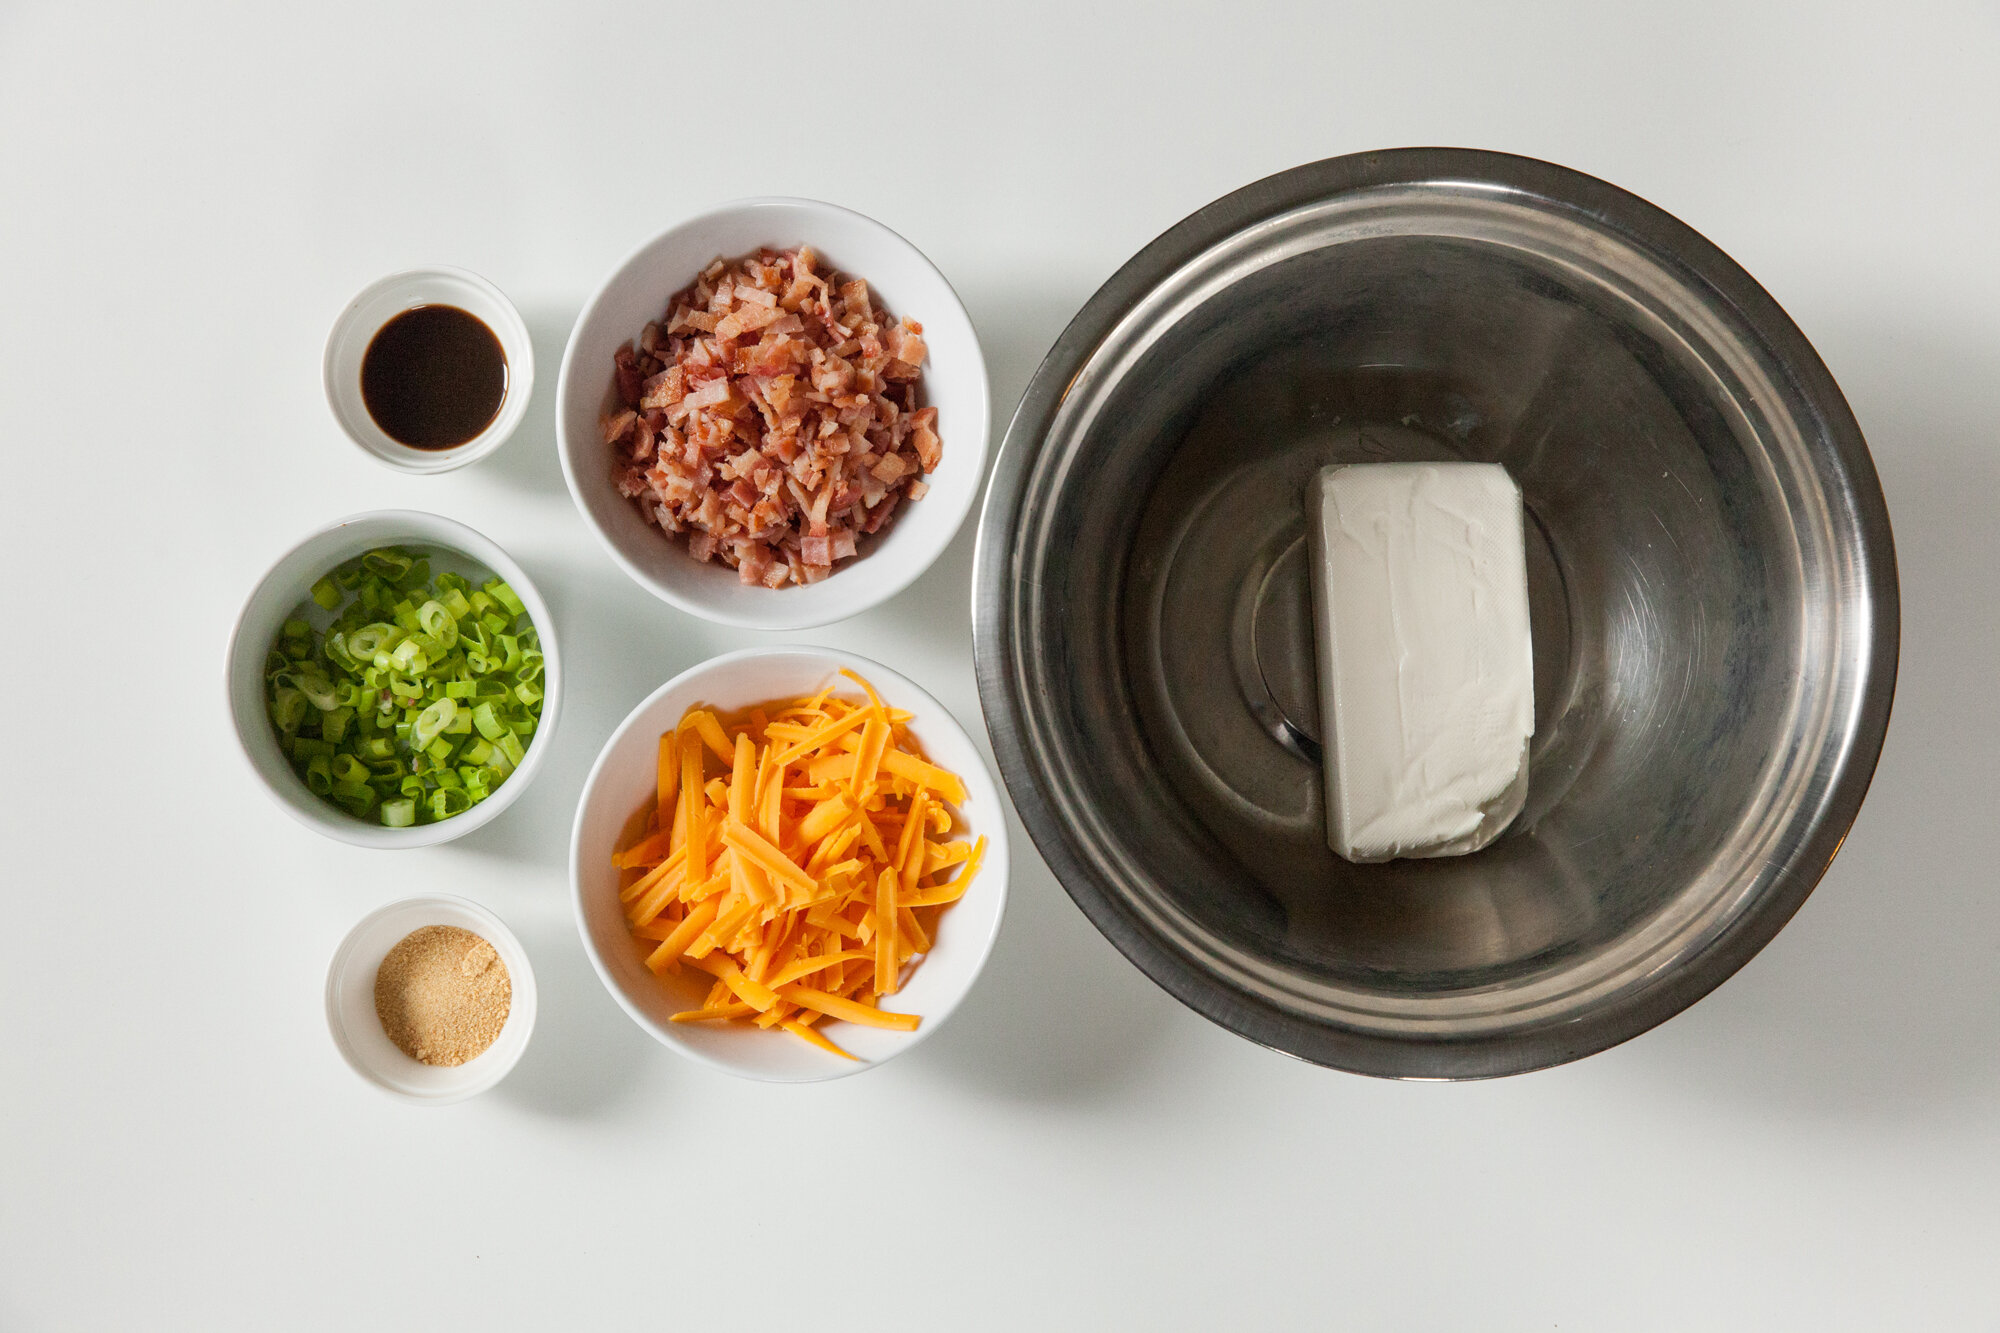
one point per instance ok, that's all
(394, 679)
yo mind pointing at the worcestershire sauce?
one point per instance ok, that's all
(434, 377)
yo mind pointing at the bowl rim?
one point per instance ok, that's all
(997, 649)
(525, 1007)
(888, 682)
(886, 581)
(515, 338)
(338, 824)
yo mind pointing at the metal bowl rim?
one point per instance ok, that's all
(1704, 267)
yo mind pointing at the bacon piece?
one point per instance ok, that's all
(903, 341)
(716, 393)
(617, 425)
(929, 452)
(664, 389)
(625, 366)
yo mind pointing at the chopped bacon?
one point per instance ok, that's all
(617, 425)
(904, 344)
(717, 393)
(626, 365)
(753, 561)
(772, 415)
(664, 389)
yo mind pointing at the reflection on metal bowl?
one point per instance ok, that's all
(1712, 585)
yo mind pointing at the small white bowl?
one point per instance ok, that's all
(285, 590)
(954, 381)
(357, 1031)
(382, 301)
(623, 781)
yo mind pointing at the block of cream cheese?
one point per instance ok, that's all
(1426, 669)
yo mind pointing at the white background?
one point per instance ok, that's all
(189, 194)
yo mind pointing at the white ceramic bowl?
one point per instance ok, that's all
(285, 591)
(382, 301)
(622, 782)
(358, 1034)
(954, 382)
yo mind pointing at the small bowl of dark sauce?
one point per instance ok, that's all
(429, 370)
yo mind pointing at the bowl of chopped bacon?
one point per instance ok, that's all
(774, 415)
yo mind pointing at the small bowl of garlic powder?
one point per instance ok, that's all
(431, 999)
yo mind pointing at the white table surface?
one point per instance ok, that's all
(188, 195)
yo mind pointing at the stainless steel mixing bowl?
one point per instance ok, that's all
(1713, 592)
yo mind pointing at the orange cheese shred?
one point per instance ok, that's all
(799, 853)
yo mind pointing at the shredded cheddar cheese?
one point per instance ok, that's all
(800, 855)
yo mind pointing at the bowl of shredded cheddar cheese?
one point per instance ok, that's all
(789, 864)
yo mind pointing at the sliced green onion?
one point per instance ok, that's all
(432, 721)
(410, 659)
(369, 640)
(388, 564)
(488, 721)
(449, 801)
(419, 698)
(288, 708)
(336, 652)
(438, 622)
(318, 690)
(504, 595)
